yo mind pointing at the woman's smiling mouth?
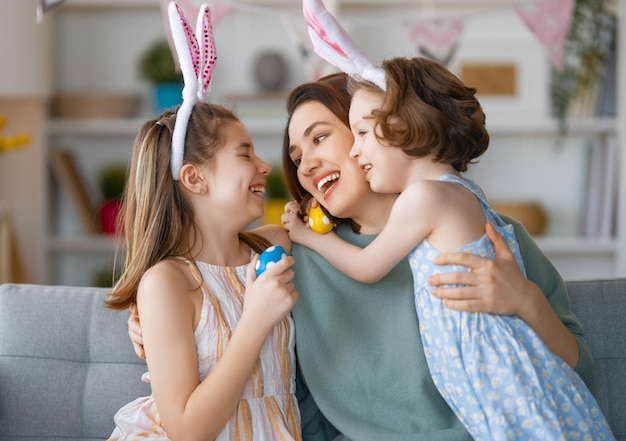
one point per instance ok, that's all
(326, 182)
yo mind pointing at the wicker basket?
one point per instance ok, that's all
(528, 213)
(93, 105)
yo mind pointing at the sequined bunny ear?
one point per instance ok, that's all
(196, 55)
(332, 43)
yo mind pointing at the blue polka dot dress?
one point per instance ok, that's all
(495, 373)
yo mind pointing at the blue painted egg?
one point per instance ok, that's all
(268, 258)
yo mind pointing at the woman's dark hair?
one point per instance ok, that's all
(330, 91)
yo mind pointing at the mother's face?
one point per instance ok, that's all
(319, 145)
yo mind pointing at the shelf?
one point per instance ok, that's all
(256, 125)
(92, 4)
(274, 126)
(421, 6)
(97, 243)
(579, 246)
(446, 3)
(550, 127)
(95, 127)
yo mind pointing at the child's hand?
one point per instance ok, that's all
(299, 231)
(271, 296)
(292, 207)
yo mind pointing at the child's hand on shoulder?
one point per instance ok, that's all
(298, 229)
(270, 296)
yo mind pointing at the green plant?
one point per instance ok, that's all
(276, 188)
(588, 43)
(106, 277)
(157, 64)
(112, 181)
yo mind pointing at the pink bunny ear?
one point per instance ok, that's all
(197, 61)
(185, 43)
(332, 43)
(208, 53)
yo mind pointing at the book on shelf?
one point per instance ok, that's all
(68, 175)
(602, 188)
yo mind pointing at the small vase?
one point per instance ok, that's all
(167, 96)
(274, 209)
(109, 211)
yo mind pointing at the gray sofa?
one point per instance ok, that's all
(67, 365)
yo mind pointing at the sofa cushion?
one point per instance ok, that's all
(66, 363)
(601, 307)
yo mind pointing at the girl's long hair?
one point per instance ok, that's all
(156, 219)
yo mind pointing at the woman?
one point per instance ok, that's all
(367, 373)
(363, 369)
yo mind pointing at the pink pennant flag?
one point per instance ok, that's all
(437, 40)
(549, 20)
(218, 11)
(45, 6)
(312, 64)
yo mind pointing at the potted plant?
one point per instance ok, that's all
(157, 65)
(112, 181)
(277, 196)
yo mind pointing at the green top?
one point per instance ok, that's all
(360, 353)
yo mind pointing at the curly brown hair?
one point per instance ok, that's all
(427, 109)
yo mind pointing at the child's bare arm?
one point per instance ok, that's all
(168, 325)
(370, 264)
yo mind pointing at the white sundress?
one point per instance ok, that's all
(268, 410)
(494, 371)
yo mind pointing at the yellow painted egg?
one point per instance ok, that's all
(318, 221)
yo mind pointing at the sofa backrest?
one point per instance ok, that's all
(66, 363)
(601, 307)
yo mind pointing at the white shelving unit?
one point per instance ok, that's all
(70, 256)
(528, 159)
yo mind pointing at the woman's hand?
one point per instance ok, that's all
(134, 332)
(499, 287)
(493, 286)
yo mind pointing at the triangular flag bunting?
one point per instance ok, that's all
(312, 64)
(549, 20)
(438, 39)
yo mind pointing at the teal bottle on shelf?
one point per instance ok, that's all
(167, 96)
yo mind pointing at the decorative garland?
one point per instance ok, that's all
(548, 20)
(590, 40)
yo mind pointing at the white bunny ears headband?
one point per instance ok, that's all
(332, 43)
(196, 56)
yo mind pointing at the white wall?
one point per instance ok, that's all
(26, 50)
